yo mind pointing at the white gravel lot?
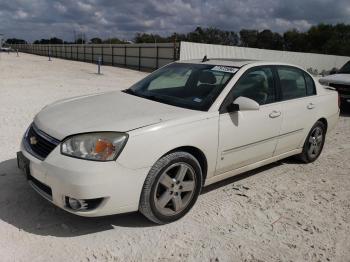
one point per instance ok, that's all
(283, 212)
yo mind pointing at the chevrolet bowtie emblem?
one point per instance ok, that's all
(33, 140)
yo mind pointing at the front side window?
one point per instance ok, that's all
(193, 86)
(257, 84)
(292, 83)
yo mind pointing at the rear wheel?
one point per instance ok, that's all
(314, 143)
(171, 187)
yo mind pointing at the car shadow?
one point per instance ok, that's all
(23, 208)
(247, 174)
(345, 111)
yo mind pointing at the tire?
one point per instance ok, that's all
(171, 187)
(314, 142)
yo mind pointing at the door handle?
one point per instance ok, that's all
(274, 114)
(311, 106)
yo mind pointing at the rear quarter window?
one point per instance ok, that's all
(310, 85)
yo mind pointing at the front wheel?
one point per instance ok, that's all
(314, 143)
(171, 188)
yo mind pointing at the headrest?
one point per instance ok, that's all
(289, 84)
(207, 77)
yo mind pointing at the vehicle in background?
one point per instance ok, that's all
(155, 145)
(341, 82)
(6, 49)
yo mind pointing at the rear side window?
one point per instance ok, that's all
(292, 81)
(310, 85)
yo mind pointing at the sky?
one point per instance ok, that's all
(36, 19)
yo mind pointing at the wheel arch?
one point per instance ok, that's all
(324, 121)
(198, 154)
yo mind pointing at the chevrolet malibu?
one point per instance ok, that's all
(155, 145)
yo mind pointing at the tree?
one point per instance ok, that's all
(212, 35)
(318, 36)
(329, 39)
(56, 41)
(114, 40)
(52, 41)
(95, 40)
(249, 38)
(209, 35)
(80, 41)
(295, 41)
(42, 42)
(322, 38)
(15, 41)
(266, 39)
(150, 38)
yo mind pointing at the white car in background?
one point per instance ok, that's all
(341, 82)
(154, 146)
(5, 49)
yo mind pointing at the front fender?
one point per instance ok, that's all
(146, 146)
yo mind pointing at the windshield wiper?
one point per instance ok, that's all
(150, 97)
(132, 92)
(129, 91)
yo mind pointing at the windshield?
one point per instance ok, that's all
(345, 69)
(193, 86)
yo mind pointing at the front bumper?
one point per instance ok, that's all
(119, 187)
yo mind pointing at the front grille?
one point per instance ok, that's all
(342, 89)
(38, 143)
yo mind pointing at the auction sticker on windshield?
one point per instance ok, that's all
(225, 69)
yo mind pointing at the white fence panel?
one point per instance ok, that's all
(306, 60)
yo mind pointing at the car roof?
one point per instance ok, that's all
(233, 62)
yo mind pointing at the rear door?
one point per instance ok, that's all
(246, 137)
(298, 107)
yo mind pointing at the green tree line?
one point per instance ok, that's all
(322, 39)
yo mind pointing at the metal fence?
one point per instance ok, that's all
(136, 56)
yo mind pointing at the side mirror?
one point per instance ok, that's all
(243, 104)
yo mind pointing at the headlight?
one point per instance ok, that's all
(103, 146)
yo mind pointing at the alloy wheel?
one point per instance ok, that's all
(315, 142)
(175, 189)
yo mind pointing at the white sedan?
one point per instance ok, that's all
(154, 146)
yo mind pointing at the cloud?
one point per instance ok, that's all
(37, 19)
(19, 14)
(60, 8)
(85, 7)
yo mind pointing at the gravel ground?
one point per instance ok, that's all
(286, 211)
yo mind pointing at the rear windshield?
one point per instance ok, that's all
(193, 86)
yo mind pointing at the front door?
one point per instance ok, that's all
(246, 137)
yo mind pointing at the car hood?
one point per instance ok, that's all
(342, 79)
(112, 111)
